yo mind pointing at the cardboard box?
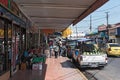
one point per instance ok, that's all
(35, 66)
(23, 66)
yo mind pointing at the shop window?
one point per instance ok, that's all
(4, 58)
(2, 55)
(16, 46)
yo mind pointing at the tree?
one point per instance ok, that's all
(67, 32)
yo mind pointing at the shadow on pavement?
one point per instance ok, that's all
(67, 64)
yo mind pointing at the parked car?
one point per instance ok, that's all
(87, 55)
(113, 49)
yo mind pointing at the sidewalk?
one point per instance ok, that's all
(30, 74)
(55, 69)
(62, 69)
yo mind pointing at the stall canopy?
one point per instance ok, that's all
(58, 14)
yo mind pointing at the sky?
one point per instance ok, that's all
(98, 17)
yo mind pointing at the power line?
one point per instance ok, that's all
(90, 22)
(103, 11)
(98, 19)
(94, 19)
(109, 8)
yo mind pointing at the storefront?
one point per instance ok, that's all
(102, 33)
(5, 45)
(12, 42)
(114, 34)
(18, 45)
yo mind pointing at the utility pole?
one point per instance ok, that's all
(76, 32)
(39, 37)
(107, 16)
(107, 28)
(90, 23)
(70, 34)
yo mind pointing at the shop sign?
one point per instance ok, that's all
(2, 33)
(102, 28)
(15, 8)
(12, 16)
(4, 2)
(47, 31)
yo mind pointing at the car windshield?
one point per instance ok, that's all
(88, 48)
(114, 45)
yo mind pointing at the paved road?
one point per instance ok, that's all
(110, 72)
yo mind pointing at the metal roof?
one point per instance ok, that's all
(58, 14)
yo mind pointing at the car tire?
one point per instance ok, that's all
(73, 60)
(101, 67)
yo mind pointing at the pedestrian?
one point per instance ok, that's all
(51, 47)
(47, 50)
(26, 54)
(60, 47)
(24, 58)
(56, 49)
(64, 50)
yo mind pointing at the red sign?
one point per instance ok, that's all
(4, 2)
(101, 28)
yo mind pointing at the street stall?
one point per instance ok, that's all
(37, 62)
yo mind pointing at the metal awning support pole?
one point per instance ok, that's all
(38, 37)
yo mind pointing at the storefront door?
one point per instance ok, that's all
(5, 45)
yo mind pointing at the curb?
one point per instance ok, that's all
(82, 74)
(84, 77)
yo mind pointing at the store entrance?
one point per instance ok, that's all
(5, 44)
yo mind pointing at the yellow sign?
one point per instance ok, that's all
(2, 33)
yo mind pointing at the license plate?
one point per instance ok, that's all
(94, 64)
